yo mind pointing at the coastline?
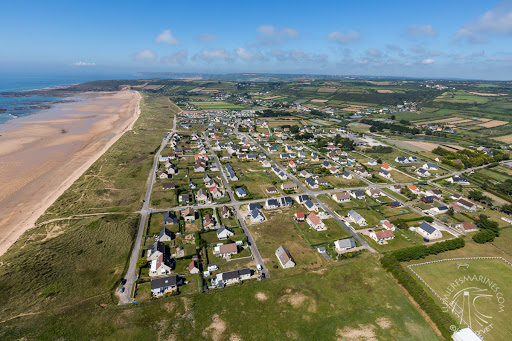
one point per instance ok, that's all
(45, 152)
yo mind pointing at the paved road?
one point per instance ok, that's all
(131, 277)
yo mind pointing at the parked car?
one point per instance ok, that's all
(123, 281)
(121, 289)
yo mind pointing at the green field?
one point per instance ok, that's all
(451, 283)
(461, 97)
(215, 105)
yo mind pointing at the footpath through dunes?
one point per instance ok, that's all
(44, 153)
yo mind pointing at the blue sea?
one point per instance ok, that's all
(19, 104)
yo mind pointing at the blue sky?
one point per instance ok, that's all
(466, 39)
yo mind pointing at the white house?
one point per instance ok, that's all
(344, 244)
(224, 233)
(284, 257)
(357, 218)
(382, 236)
(341, 197)
(315, 222)
(428, 231)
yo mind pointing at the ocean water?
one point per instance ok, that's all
(19, 103)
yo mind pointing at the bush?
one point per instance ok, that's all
(142, 262)
(484, 236)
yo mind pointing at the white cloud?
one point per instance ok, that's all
(298, 54)
(247, 55)
(344, 38)
(434, 53)
(179, 57)
(167, 37)
(417, 49)
(495, 21)
(374, 52)
(267, 30)
(363, 62)
(145, 55)
(421, 30)
(289, 32)
(212, 54)
(207, 37)
(269, 35)
(427, 61)
(83, 64)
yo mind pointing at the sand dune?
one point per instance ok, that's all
(44, 153)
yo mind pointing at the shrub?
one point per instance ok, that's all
(484, 236)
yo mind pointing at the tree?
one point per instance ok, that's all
(484, 236)
(450, 212)
(393, 117)
(142, 262)
(486, 224)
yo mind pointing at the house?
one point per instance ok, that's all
(430, 166)
(156, 249)
(427, 199)
(289, 186)
(428, 231)
(387, 225)
(299, 216)
(168, 185)
(311, 183)
(374, 192)
(216, 192)
(314, 157)
(240, 192)
(344, 244)
(322, 182)
(301, 199)
(372, 162)
(385, 167)
(310, 206)
(193, 267)
(257, 216)
(361, 172)
(422, 172)
(467, 205)
(413, 159)
(189, 214)
(265, 163)
(382, 236)
(184, 198)
(456, 196)
(465, 226)
(326, 164)
(206, 178)
(225, 212)
(202, 196)
(225, 250)
(414, 189)
(286, 201)
(435, 193)
(284, 156)
(304, 174)
(200, 166)
(254, 206)
(284, 257)
(271, 204)
(224, 233)
(292, 164)
(271, 190)
(170, 218)
(385, 174)
(394, 204)
(165, 235)
(356, 218)
(315, 222)
(396, 188)
(162, 265)
(234, 276)
(165, 285)
(459, 180)
(357, 194)
(402, 159)
(341, 197)
(208, 222)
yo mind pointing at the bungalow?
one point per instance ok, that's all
(193, 267)
(184, 198)
(304, 174)
(401, 159)
(347, 176)
(165, 235)
(356, 218)
(396, 188)
(314, 157)
(311, 183)
(257, 216)
(467, 205)
(189, 214)
(206, 178)
(387, 225)
(459, 180)
(168, 185)
(216, 192)
(299, 216)
(315, 222)
(271, 190)
(322, 182)
(435, 193)
(289, 186)
(372, 162)
(385, 174)
(333, 170)
(301, 199)
(427, 199)
(284, 257)
(286, 201)
(202, 196)
(414, 189)
(284, 156)
(428, 231)
(224, 233)
(226, 250)
(465, 226)
(413, 159)
(456, 196)
(430, 166)
(200, 166)
(357, 194)
(162, 265)
(310, 206)
(271, 204)
(292, 164)
(326, 164)
(225, 212)
(341, 197)
(382, 236)
(209, 222)
(240, 192)
(385, 167)
(265, 163)
(170, 218)
(394, 204)
(281, 175)
(165, 285)
(374, 192)
(361, 172)
(156, 249)
(422, 172)
(163, 175)
(344, 244)
(234, 276)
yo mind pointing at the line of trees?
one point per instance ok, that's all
(379, 126)
(469, 158)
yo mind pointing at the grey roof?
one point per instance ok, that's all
(303, 197)
(222, 229)
(255, 214)
(427, 227)
(358, 193)
(310, 181)
(283, 255)
(272, 202)
(355, 215)
(169, 216)
(241, 191)
(347, 243)
(254, 206)
(165, 282)
(309, 203)
(158, 246)
(165, 232)
(384, 172)
(235, 274)
(286, 201)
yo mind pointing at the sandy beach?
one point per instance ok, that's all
(41, 155)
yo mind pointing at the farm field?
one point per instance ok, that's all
(215, 105)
